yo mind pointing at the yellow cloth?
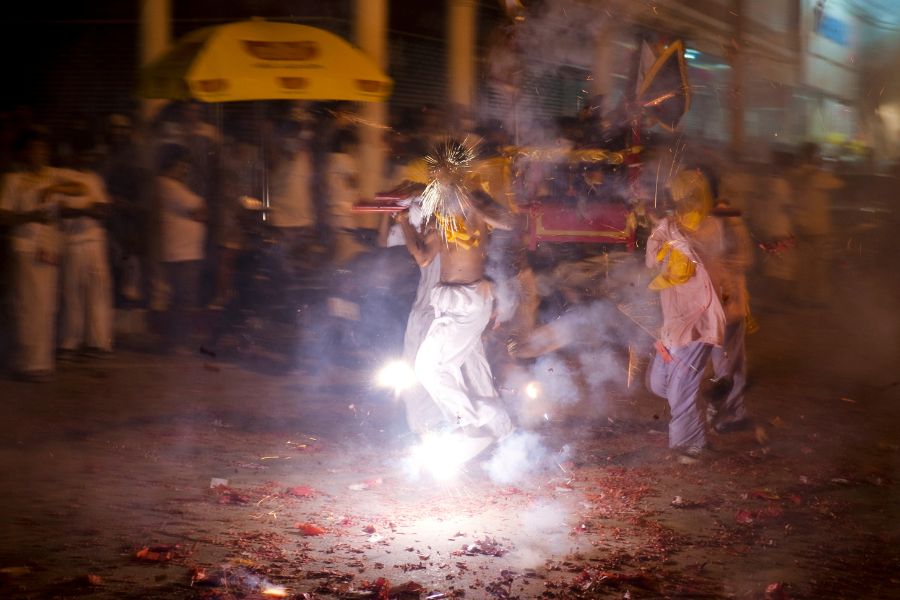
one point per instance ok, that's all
(677, 268)
(455, 232)
(691, 220)
(692, 197)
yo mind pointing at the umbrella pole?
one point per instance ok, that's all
(263, 139)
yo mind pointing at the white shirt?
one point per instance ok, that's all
(182, 236)
(291, 194)
(84, 229)
(342, 188)
(22, 193)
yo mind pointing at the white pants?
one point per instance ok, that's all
(451, 364)
(87, 297)
(422, 413)
(35, 305)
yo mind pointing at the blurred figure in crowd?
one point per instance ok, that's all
(290, 194)
(87, 315)
(29, 205)
(183, 237)
(129, 186)
(723, 244)
(812, 220)
(343, 192)
(693, 320)
(772, 223)
(241, 178)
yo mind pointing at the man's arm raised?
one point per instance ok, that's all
(422, 247)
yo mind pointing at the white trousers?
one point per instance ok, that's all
(35, 306)
(422, 414)
(451, 363)
(87, 313)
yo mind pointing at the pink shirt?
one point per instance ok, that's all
(691, 311)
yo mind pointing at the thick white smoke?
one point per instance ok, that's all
(518, 457)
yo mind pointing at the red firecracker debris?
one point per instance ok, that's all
(369, 529)
(155, 553)
(744, 516)
(368, 484)
(488, 547)
(300, 491)
(406, 591)
(776, 591)
(309, 529)
(750, 516)
(228, 495)
(197, 574)
(679, 502)
(380, 588)
(765, 495)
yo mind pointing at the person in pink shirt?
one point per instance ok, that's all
(693, 319)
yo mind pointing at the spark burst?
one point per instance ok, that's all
(446, 195)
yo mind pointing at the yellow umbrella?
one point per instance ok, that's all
(264, 60)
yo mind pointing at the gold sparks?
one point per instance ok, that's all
(449, 166)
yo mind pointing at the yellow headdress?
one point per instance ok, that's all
(692, 196)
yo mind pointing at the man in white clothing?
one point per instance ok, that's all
(29, 204)
(86, 281)
(422, 414)
(451, 362)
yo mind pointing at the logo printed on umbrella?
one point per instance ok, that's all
(305, 50)
(211, 86)
(369, 86)
(293, 83)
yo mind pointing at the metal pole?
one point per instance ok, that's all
(155, 38)
(737, 78)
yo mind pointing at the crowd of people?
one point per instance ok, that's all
(157, 219)
(99, 215)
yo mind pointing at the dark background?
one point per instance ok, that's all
(81, 57)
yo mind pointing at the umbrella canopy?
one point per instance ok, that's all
(264, 60)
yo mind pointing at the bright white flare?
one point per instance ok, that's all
(533, 390)
(397, 375)
(440, 455)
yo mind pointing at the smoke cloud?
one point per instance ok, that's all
(518, 456)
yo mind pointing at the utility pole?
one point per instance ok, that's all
(156, 36)
(371, 28)
(461, 26)
(735, 52)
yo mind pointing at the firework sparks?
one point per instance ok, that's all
(397, 375)
(632, 364)
(445, 197)
(275, 591)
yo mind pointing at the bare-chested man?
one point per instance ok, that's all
(451, 363)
